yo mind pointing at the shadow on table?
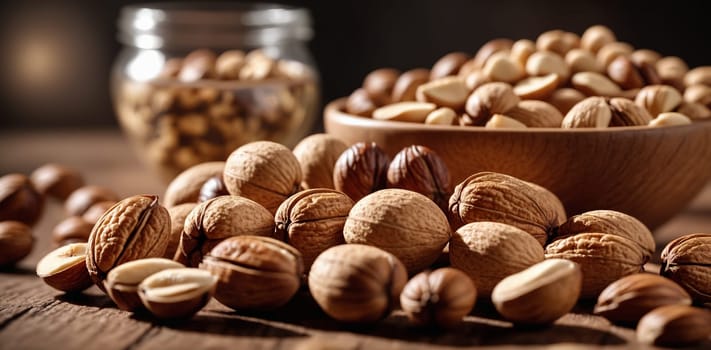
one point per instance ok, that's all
(91, 297)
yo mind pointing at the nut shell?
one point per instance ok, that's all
(19, 200)
(185, 188)
(71, 230)
(687, 260)
(83, 198)
(16, 242)
(674, 325)
(487, 100)
(317, 155)
(361, 169)
(65, 268)
(56, 180)
(419, 169)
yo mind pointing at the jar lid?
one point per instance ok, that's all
(216, 25)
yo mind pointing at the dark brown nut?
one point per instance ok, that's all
(357, 283)
(536, 114)
(56, 180)
(674, 325)
(658, 99)
(65, 268)
(19, 200)
(73, 229)
(229, 64)
(645, 56)
(263, 171)
(671, 70)
(122, 282)
(197, 65)
(403, 223)
(135, 228)
(360, 103)
(489, 48)
(698, 93)
(687, 261)
(360, 170)
(211, 222)
(521, 50)
(212, 188)
(379, 84)
(699, 75)
(407, 84)
(596, 37)
(626, 300)
(609, 222)
(312, 221)
(581, 60)
(257, 66)
(419, 169)
(446, 92)
(254, 272)
(557, 41)
(501, 67)
(592, 112)
(501, 198)
(539, 294)
(441, 297)
(595, 84)
(629, 75)
(487, 100)
(604, 258)
(16, 242)
(83, 198)
(185, 188)
(490, 251)
(536, 87)
(317, 154)
(448, 64)
(564, 99)
(178, 214)
(95, 211)
(171, 68)
(694, 111)
(177, 293)
(624, 112)
(500, 121)
(670, 119)
(545, 62)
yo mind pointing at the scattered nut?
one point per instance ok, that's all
(446, 92)
(557, 41)
(521, 50)
(16, 242)
(56, 180)
(501, 67)
(122, 282)
(630, 75)
(360, 170)
(83, 198)
(413, 112)
(580, 60)
(185, 188)
(595, 84)
(19, 200)
(487, 100)
(658, 99)
(95, 211)
(674, 325)
(65, 268)
(625, 112)
(419, 169)
(546, 62)
(317, 154)
(592, 112)
(687, 261)
(669, 119)
(536, 114)
(177, 293)
(73, 229)
(536, 87)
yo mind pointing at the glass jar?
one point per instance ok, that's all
(194, 81)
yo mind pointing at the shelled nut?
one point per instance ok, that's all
(536, 114)
(448, 64)
(487, 100)
(65, 268)
(499, 121)
(413, 112)
(674, 325)
(658, 99)
(406, 85)
(177, 293)
(669, 119)
(445, 92)
(122, 282)
(379, 84)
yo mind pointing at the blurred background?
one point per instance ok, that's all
(56, 55)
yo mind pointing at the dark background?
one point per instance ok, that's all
(56, 55)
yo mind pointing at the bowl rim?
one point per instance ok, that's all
(335, 110)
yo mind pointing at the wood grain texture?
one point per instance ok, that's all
(34, 316)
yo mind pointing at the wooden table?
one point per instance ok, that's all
(34, 316)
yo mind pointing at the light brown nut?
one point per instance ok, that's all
(536, 114)
(489, 252)
(73, 229)
(19, 200)
(596, 37)
(177, 293)
(263, 171)
(413, 112)
(419, 169)
(557, 41)
(257, 273)
(448, 64)
(211, 222)
(564, 99)
(229, 64)
(177, 214)
(499, 121)
(611, 51)
(445, 92)
(441, 297)
(671, 70)
(669, 119)
(658, 98)
(595, 84)
(379, 84)
(360, 103)
(407, 84)
(197, 65)
(609, 222)
(699, 75)
(65, 268)
(83, 198)
(545, 62)
(488, 49)
(95, 211)
(626, 113)
(56, 180)
(441, 116)
(537, 88)
(629, 75)
(257, 66)
(698, 93)
(475, 79)
(317, 154)
(487, 100)
(694, 111)
(357, 283)
(522, 50)
(674, 325)
(645, 56)
(122, 282)
(312, 221)
(502, 198)
(626, 300)
(687, 260)
(592, 112)
(501, 67)
(135, 228)
(581, 60)
(539, 294)
(604, 258)
(360, 170)
(401, 222)
(16, 242)
(185, 188)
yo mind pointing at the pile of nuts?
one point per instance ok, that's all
(204, 105)
(560, 80)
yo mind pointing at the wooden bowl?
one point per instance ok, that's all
(650, 173)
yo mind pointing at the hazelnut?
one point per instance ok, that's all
(263, 171)
(185, 188)
(658, 99)
(357, 283)
(499, 121)
(536, 114)
(441, 297)
(407, 84)
(626, 300)
(488, 252)
(698, 76)
(379, 84)
(564, 99)
(177, 293)
(73, 229)
(669, 119)
(403, 223)
(177, 214)
(317, 154)
(360, 103)
(95, 211)
(19, 200)
(312, 221)
(197, 65)
(83, 198)
(487, 100)
(413, 112)
(211, 222)
(441, 116)
(445, 92)
(56, 180)
(122, 282)
(545, 62)
(419, 169)
(16, 242)
(501, 67)
(674, 325)
(687, 261)
(539, 294)
(536, 87)
(360, 170)
(254, 272)
(448, 64)
(228, 64)
(65, 268)
(212, 188)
